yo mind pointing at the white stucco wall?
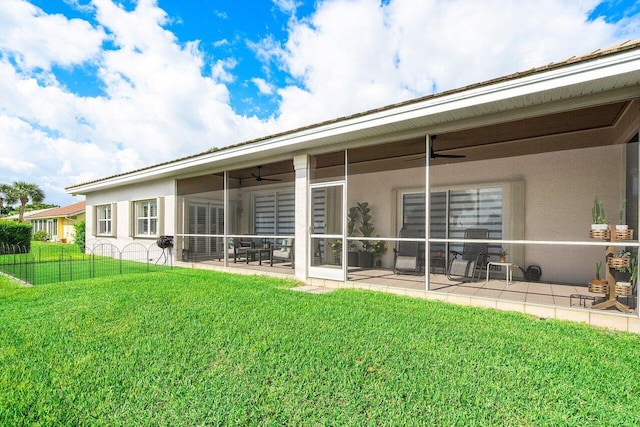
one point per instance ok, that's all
(122, 197)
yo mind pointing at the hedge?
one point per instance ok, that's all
(16, 233)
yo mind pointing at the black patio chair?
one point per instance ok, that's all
(466, 266)
(408, 256)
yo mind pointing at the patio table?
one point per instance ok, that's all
(507, 265)
(252, 252)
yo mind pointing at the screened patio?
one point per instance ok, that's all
(530, 183)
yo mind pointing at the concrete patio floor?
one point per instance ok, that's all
(496, 288)
(520, 291)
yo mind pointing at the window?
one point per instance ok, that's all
(104, 220)
(453, 211)
(274, 213)
(205, 218)
(146, 218)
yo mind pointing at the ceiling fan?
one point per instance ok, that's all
(435, 155)
(260, 178)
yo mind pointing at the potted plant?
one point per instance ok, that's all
(352, 222)
(621, 260)
(599, 222)
(370, 249)
(336, 247)
(596, 281)
(502, 253)
(379, 248)
(621, 225)
(624, 288)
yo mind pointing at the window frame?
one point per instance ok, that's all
(136, 218)
(107, 221)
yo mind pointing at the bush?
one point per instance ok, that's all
(41, 236)
(16, 233)
(80, 228)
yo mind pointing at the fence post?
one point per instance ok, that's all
(60, 266)
(92, 266)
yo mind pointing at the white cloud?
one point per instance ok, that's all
(287, 6)
(38, 40)
(221, 70)
(16, 166)
(352, 55)
(262, 85)
(160, 103)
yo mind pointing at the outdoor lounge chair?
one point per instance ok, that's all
(467, 265)
(237, 249)
(407, 255)
(282, 251)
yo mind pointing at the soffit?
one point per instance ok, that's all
(534, 127)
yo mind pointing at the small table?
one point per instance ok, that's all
(252, 252)
(437, 262)
(507, 265)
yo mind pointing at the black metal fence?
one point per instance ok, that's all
(52, 263)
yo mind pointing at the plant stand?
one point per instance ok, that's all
(611, 300)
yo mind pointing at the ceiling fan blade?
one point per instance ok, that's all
(435, 155)
(259, 177)
(447, 156)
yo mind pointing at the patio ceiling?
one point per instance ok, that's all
(275, 172)
(568, 130)
(574, 129)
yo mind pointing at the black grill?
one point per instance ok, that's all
(165, 242)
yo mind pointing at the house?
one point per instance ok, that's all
(58, 222)
(520, 157)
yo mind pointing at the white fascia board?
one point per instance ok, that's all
(552, 80)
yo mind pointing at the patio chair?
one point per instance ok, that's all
(406, 258)
(237, 249)
(282, 251)
(466, 266)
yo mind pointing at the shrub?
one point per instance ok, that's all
(41, 236)
(80, 228)
(16, 233)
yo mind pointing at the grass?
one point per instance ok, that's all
(191, 347)
(49, 262)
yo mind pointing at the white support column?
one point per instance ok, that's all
(225, 216)
(427, 206)
(301, 166)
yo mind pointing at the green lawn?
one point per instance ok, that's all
(190, 347)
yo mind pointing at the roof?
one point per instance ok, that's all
(64, 211)
(389, 110)
(27, 214)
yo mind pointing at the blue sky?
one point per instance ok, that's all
(92, 88)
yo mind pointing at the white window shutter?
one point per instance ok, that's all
(94, 221)
(132, 219)
(160, 202)
(114, 224)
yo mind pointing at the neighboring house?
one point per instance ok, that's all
(520, 156)
(26, 215)
(58, 222)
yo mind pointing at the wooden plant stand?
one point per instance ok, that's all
(611, 300)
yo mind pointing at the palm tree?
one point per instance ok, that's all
(23, 191)
(6, 196)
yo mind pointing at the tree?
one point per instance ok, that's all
(23, 191)
(6, 196)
